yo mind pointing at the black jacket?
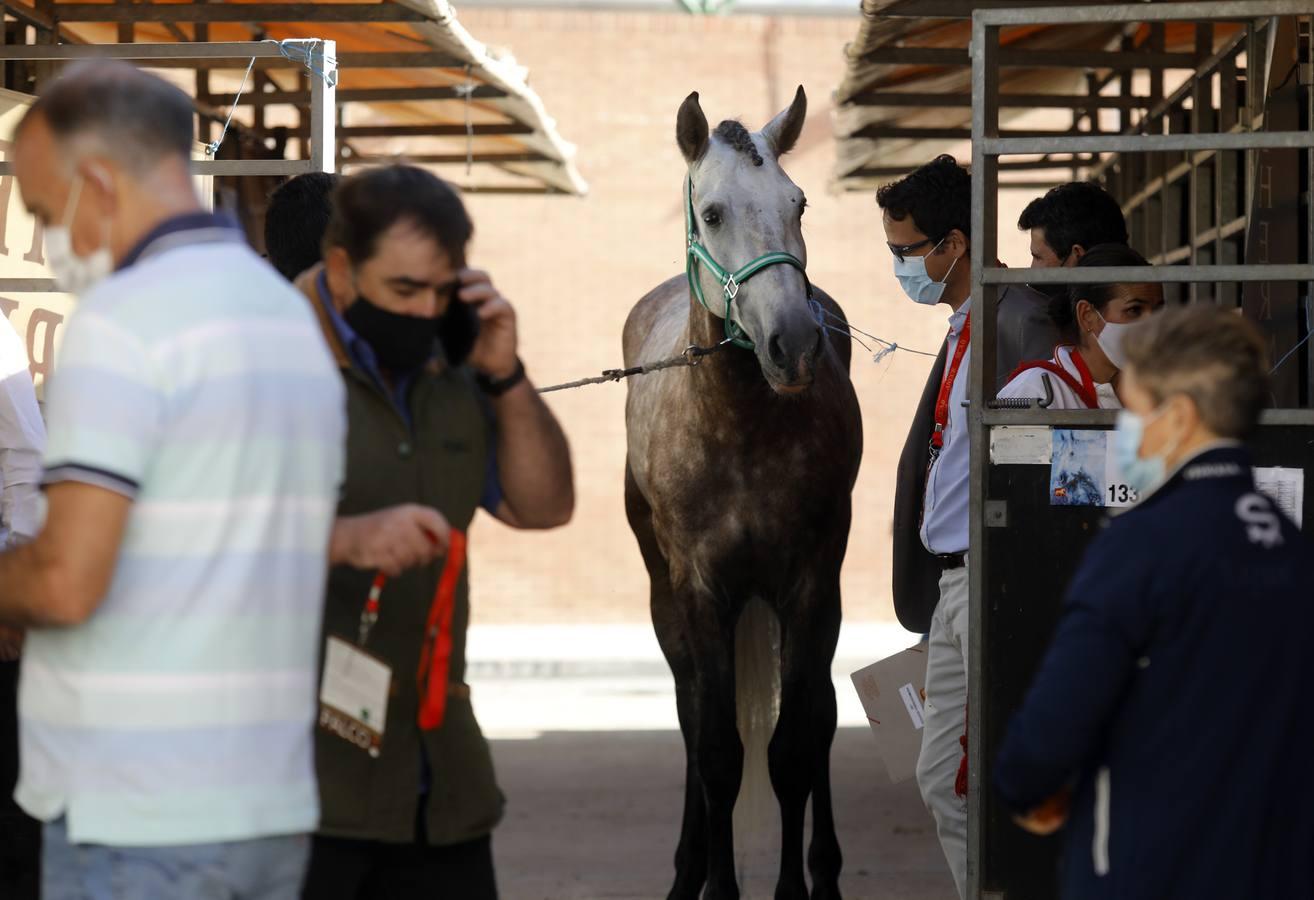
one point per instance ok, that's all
(1025, 332)
(1175, 695)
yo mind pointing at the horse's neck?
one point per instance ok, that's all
(729, 375)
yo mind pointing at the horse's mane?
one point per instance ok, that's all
(733, 132)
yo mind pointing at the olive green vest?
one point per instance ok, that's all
(441, 461)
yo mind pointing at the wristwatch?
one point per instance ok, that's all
(496, 387)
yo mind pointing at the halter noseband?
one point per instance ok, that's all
(698, 255)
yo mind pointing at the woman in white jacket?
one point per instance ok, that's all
(1093, 319)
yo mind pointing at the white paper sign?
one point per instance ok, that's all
(1286, 488)
(912, 702)
(1117, 492)
(1020, 445)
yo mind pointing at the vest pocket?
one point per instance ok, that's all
(1100, 845)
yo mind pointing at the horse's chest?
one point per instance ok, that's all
(719, 494)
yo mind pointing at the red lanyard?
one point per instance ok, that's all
(436, 654)
(946, 386)
(436, 657)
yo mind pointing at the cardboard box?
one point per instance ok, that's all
(893, 694)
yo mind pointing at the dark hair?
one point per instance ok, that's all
(367, 204)
(295, 222)
(1063, 308)
(1080, 212)
(1210, 354)
(136, 119)
(937, 195)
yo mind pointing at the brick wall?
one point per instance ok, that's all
(575, 267)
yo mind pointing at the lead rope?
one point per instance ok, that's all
(692, 356)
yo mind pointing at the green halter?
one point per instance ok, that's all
(730, 281)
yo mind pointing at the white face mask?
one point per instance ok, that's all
(1111, 338)
(916, 281)
(74, 274)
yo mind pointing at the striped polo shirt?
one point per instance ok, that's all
(194, 381)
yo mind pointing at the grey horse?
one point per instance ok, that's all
(738, 485)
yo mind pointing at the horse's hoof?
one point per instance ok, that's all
(794, 890)
(721, 891)
(829, 891)
(685, 890)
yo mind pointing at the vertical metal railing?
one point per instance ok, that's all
(1152, 151)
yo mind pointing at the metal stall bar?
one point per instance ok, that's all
(985, 213)
(987, 148)
(320, 59)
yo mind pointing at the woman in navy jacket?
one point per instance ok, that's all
(1170, 723)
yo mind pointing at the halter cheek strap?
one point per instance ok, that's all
(697, 255)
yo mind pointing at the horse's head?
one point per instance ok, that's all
(744, 209)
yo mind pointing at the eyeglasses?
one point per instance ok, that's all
(901, 250)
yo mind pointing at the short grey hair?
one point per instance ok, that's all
(135, 118)
(1210, 354)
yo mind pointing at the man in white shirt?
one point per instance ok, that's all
(927, 220)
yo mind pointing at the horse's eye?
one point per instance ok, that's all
(712, 218)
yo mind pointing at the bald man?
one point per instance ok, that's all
(173, 596)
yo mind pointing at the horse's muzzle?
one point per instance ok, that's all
(791, 372)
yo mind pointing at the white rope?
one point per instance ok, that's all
(213, 148)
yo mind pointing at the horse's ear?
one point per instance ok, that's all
(691, 129)
(782, 132)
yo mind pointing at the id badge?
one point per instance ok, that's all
(353, 695)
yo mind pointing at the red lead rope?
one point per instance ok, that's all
(436, 657)
(946, 386)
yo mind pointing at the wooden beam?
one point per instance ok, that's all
(238, 12)
(883, 131)
(1006, 165)
(379, 95)
(954, 9)
(440, 159)
(384, 131)
(219, 56)
(1022, 58)
(1014, 101)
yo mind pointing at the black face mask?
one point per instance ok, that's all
(401, 343)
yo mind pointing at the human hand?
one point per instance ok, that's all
(391, 540)
(1049, 816)
(494, 352)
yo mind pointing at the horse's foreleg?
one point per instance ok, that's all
(800, 747)
(720, 754)
(790, 758)
(824, 858)
(691, 853)
(670, 622)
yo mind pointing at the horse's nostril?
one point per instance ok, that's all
(777, 352)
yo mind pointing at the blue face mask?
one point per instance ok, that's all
(916, 282)
(1144, 475)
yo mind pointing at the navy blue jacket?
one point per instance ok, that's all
(1177, 698)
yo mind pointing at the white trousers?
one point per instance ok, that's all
(946, 721)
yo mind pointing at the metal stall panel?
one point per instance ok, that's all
(1023, 549)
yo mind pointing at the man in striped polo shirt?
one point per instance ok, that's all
(196, 428)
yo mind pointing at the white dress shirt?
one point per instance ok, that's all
(944, 510)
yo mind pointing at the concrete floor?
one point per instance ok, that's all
(596, 815)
